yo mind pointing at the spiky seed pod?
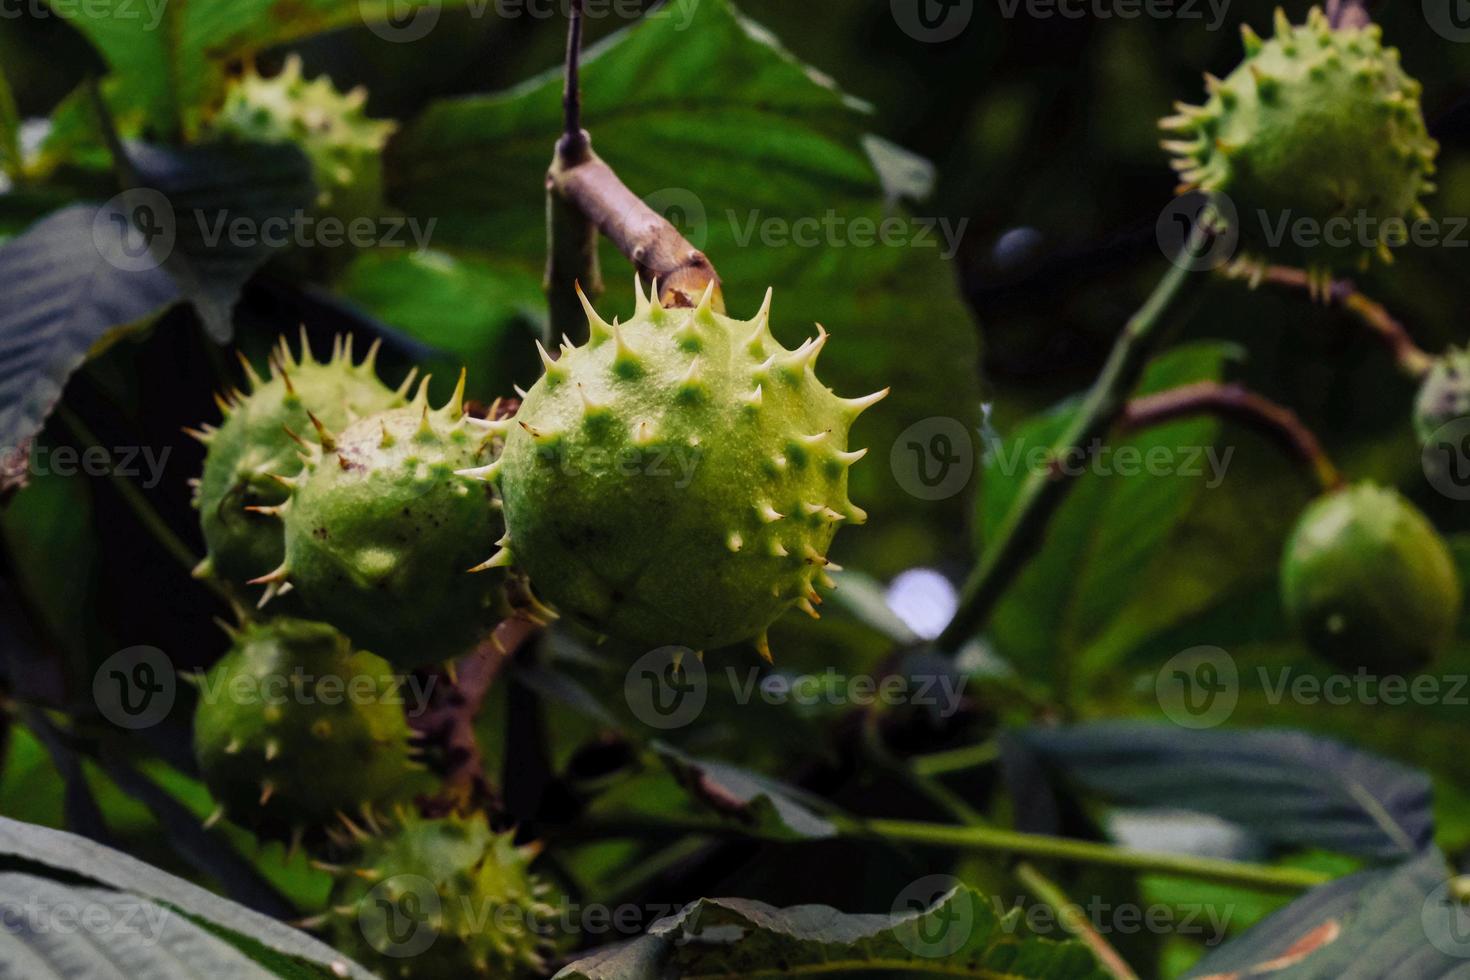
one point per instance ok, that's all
(1444, 397)
(384, 524)
(342, 143)
(1314, 124)
(484, 914)
(253, 447)
(293, 727)
(679, 478)
(1368, 582)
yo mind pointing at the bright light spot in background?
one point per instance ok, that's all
(31, 135)
(924, 599)
(1183, 832)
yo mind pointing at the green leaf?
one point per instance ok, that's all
(469, 307)
(167, 58)
(960, 935)
(1287, 788)
(1398, 923)
(63, 299)
(71, 931)
(776, 144)
(1115, 523)
(747, 796)
(63, 852)
(228, 207)
(863, 598)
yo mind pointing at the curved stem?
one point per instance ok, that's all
(12, 162)
(1073, 920)
(1238, 404)
(956, 760)
(1409, 356)
(1258, 876)
(142, 510)
(1261, 877)
(1043, 492)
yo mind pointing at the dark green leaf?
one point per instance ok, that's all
(73, 932)
(63, 298)
(746, 796)
(1288, 788)
(1085, 579)
(167, 59)
(87, 859)
(1398, 924)
(231, 207)
(961, 935)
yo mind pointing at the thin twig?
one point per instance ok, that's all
(1073, 920)
(571, 237)
(1238, 404)
(1409, 356)
(1347, 14)
(571, 99)
(584, 196)
(1043, 492)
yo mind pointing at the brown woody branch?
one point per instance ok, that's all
(1240, 405)
(1410, 357)
(445, 731)
(644, 236)
(584, 196)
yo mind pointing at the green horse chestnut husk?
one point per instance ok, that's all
(1315, 124)
(294, 727)
(482, 912)
(383, 525)
(1368, 582)
(679, 478)
(253, 447)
